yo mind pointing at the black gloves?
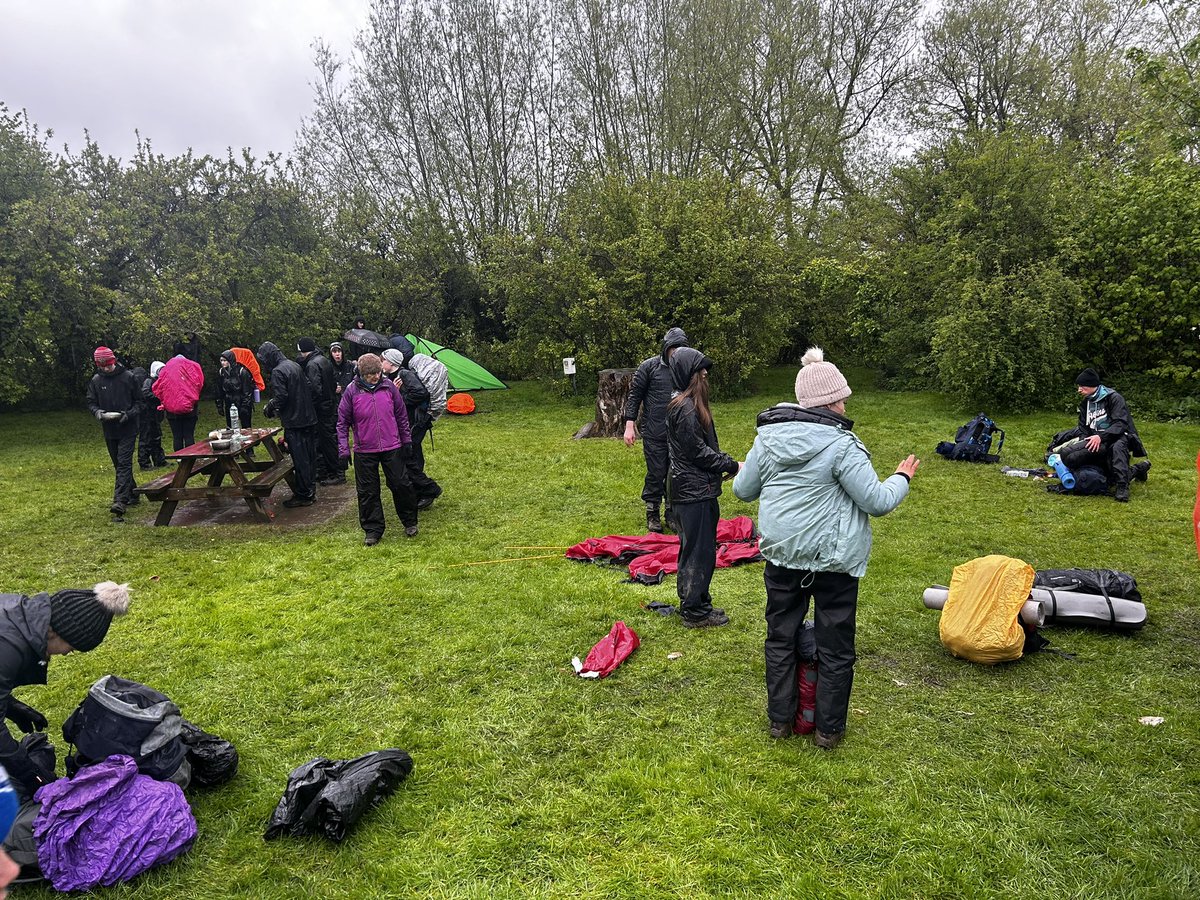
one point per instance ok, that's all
(124, 417)
(25, 717)
(406, 452)
(271, 409)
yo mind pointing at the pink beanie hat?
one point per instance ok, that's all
(819, 383)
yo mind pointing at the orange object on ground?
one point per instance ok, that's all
(461, 404)
(250, 361)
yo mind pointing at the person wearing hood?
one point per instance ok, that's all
(291, 400)
(817, 491)
(697, 468)
(343, 367)
(114, 397)
(373, 409)
(150, 449)
(322, 381)
(416, 403)
(650, 393)
(1105, 436)
(235, 387)
(33, 629)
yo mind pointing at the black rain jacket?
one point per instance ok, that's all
(322, 379)
(651, 390)
(24, 628)
(116, 391)
(697, 462)
(235, 387)
(291, 396)
(1119, 423)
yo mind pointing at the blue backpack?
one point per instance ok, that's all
(973, 442)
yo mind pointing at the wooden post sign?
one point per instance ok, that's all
(611, 394)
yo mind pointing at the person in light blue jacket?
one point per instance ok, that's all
(817, 492)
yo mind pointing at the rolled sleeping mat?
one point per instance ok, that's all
(1075, 608)
(1031, 613)
(1067, 608)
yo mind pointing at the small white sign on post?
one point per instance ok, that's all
(568, 365)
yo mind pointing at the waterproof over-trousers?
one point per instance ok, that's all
(370, 501)
(183, 430)
(836, 599)
(302, 442)
(149, 448)
(1112, 457)
(120, 451)
(328, 464)
(658, 461)
(697, 524)
(424, 486)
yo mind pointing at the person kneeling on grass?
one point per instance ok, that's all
(817, 491)
(373, 408)
(32, 629)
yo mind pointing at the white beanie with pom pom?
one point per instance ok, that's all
(819, 383)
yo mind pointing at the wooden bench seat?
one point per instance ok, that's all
(264, 481)
(160, 484)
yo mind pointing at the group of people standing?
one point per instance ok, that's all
(817, 489)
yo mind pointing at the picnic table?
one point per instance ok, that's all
(249, 479)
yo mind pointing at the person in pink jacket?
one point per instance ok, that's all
(178, 387)
(371, 407)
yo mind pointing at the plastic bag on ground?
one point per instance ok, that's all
(327, 796)
(214, 760)
(609, 652)
(108, 824)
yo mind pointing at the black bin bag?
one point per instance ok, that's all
(214, 760)
(328, 796)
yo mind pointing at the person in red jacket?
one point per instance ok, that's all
(373, 408)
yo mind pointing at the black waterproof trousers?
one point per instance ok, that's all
(370, 501)
(424, 486)
(328, 464)
(1112, 457)
(149, 448)
(302, 442)
(836, 599)
(120, 451)
(183, 429)
(658, 460)
(697, 524)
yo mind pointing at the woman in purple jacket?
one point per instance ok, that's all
(373, 408)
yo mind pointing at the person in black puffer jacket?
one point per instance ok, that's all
(344, 370)
(32, 629)
(292, 401)
(697, 467)
(321, 376)
(650, 393)
(235, 387)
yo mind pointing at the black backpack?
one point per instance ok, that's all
(121, 716)
(973, 442)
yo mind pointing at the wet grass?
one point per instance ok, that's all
(1027, 780)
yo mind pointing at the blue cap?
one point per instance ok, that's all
(8, 803)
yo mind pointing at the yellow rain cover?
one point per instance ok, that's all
(979, 621)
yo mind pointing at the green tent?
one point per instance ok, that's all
(465, 374)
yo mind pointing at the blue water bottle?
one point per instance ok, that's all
(1064, 474)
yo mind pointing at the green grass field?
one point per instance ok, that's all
(1032, 779)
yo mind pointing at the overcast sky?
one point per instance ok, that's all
(204, 74)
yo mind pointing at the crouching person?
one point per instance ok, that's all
(32, 629)
(373, 409)
(817, 492)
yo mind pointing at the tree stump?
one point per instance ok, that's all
(611, 394)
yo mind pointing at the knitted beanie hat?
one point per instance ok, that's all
(103, 356)
(819, 383)
(306, 345)
(81, 617)
(1088, 378)
(394, 356)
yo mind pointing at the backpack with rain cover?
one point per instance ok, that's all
(123, 717)
(973, 442)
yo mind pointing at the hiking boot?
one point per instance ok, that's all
(780, 730)
(714, 619)
(410, 530)
(1141, 470)
(653, 522)
(293, 502)
(370, 540)
(117, 509)
(332, 479)
(827, 741)
(426, 502)
(1122, 494)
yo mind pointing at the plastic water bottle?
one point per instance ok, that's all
(235, 423)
